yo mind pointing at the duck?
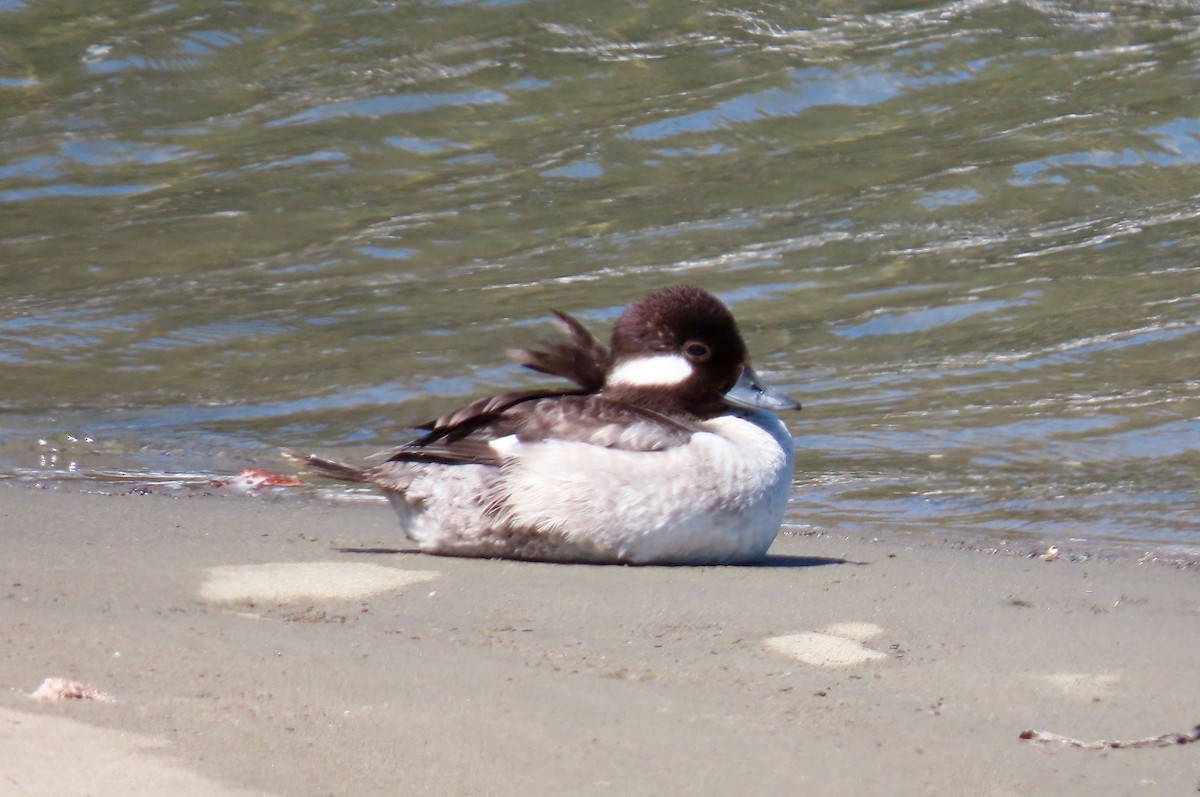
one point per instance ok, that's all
(666, 449)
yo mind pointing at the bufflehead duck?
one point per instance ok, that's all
(667, 451)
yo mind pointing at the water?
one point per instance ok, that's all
(964, 234)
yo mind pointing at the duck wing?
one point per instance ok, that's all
(470, 435)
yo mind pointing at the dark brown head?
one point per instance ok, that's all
(679, 350)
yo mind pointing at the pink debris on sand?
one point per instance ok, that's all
(66, 689)
(255, 478)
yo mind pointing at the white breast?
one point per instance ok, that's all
(718, 498)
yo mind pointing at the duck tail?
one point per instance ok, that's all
(328, 467)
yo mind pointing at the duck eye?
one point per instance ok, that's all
(696, 350)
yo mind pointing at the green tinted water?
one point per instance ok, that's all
(963, 234)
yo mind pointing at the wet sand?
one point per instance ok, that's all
(256, 647)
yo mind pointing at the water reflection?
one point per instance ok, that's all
(375, 107)
(809, 88)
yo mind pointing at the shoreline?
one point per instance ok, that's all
(293, 648)
(320, 494)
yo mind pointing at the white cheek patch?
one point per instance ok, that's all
(502, 445)
(657, 370)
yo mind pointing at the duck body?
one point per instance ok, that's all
(667, 452)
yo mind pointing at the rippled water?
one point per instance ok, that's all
(964, 234)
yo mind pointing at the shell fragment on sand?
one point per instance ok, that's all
(54, 688)
(257, 478)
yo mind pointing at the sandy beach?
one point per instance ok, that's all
(252, 646)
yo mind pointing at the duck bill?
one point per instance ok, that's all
(750, 392)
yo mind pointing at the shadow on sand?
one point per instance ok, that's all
(786, 560)
(770, 560)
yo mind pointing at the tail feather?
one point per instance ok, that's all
(328, 467)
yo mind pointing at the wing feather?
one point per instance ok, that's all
(583, 359)
(533, 418)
